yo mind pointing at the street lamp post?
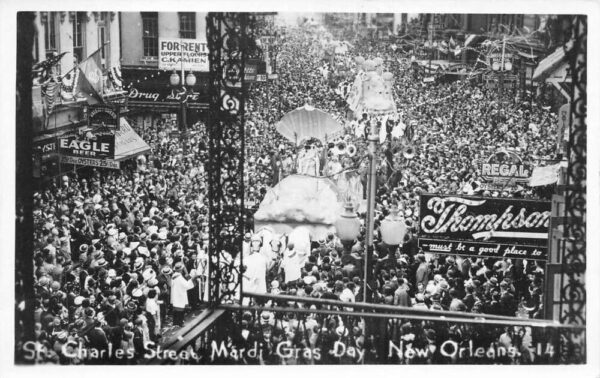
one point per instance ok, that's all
(190, 81)
(348, 227)
(373, 139)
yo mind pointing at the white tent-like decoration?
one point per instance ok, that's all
(308, 122)
(298, 200)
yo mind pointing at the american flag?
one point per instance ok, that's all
(50, 91)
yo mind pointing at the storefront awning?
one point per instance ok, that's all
(128, 143)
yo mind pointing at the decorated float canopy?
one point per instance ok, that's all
(298, 200)
(308, 122)
(372, 91)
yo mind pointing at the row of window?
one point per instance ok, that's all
(78, 21)
(187, 29)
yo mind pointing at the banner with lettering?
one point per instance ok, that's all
(482, 226)
(90, 162)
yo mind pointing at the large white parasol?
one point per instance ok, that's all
(307, 122)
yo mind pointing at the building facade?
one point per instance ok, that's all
(152, 95)
(79, 34)
(66, 39)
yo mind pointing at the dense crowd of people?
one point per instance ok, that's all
(120, 255)
(457, 125)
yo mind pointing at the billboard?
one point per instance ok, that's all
(485, 227)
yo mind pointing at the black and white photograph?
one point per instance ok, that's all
(273, 186)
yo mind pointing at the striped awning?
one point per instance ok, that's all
(128, 143)
(549, 63)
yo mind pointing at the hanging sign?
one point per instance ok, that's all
(90, 144)
(483, 226)
(103, 116)
(250, 70)
(183, 53)
(503, 166)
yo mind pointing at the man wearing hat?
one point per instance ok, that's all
(179, 298)
(246, 244)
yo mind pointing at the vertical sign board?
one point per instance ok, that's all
(484, 226)
(564, 115)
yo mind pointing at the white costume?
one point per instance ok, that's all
(308, 163)
(179, 288)
(202, 272)
(291, 266)
(255, 276)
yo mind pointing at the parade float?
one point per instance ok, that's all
(301, 200)
(315, 195)
(372, 91)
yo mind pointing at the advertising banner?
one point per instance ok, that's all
(90, 162)
(482, 226)
(91, 145)
(182, 53)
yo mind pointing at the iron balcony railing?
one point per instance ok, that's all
(287, 330)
